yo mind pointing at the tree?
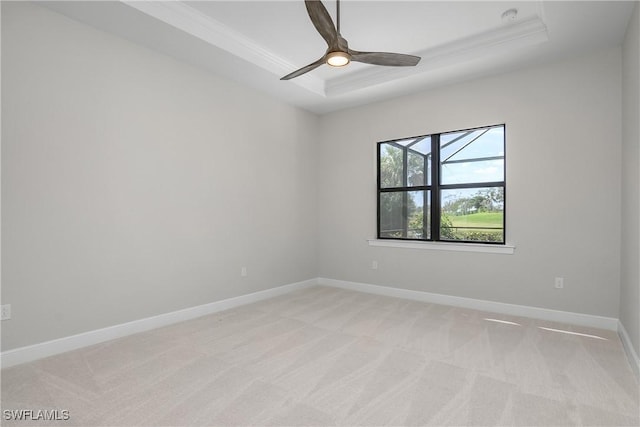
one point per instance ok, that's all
(487, 200)
(391, 203)
(392, 166)
(446, 227)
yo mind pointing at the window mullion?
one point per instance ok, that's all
(379, 183)
(405, 194)
(435, 187)
(425, 201)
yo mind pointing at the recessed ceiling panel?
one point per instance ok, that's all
(284, 29)
(257, 42)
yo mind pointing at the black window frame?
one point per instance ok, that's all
(435, 188)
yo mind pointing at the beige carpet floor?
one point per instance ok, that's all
(325, 356)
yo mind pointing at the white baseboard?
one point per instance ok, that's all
(61, 345)
(580, 319)
(634, 360)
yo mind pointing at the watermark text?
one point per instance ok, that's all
(35, 414)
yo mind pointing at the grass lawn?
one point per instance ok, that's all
(481, 219)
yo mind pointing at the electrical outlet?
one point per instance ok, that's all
(559, 282)
(5, 312)
(374, 265)
(243, 272)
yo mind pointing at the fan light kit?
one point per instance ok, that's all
(338, 59)
(338, 53)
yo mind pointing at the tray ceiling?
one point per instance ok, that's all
(257, 42)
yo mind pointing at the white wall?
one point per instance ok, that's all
(563, 187)
(135, 185)
(630, 254)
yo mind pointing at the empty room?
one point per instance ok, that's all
(297, 213)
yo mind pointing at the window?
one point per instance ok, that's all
(443, 187)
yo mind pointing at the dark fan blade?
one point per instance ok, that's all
(303, 70)
(384, 58)
(322, 21)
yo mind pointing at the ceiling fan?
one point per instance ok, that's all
(338, 53)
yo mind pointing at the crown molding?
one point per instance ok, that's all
(185, 18)
(506, 38)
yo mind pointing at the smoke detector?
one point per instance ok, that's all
(509, 15)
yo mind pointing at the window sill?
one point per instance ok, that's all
(444, 246)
